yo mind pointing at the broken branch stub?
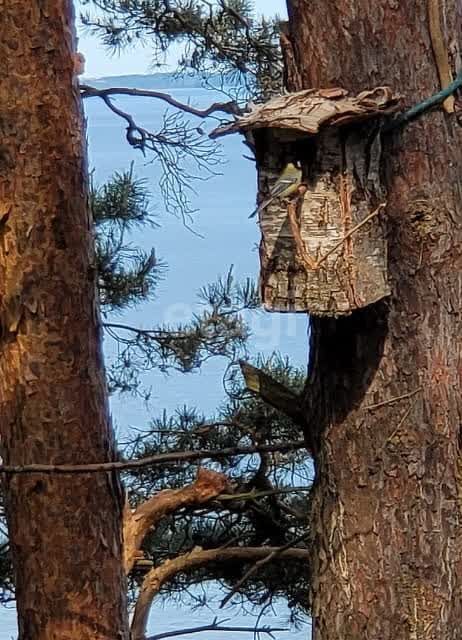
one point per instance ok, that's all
(324, 251)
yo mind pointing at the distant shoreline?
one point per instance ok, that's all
(161, 81)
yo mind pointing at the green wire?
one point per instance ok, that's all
(424, 106)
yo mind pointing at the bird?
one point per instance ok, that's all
(287, 184)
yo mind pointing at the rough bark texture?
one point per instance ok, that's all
(209, 484)
(309, 111)
(384, 389)
(65, 531)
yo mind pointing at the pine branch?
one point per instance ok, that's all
(223, 37)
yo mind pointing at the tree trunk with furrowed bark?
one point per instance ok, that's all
(65, 531)
(383, 398)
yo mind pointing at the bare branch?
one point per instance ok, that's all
(209, 484)
(161, 458)
(183, 151)
(137, 136)
(272, 555)
(224, 107)
(216, 625)
(151, 333)
(254, 495)
(157, 577)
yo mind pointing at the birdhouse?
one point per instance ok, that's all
(323, 250)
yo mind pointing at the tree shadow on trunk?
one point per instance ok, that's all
(345, 354)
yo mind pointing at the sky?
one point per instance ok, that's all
(99, 62)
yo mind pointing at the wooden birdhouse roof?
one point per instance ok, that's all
(306, 111)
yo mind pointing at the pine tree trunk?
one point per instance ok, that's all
(65, 531)
(384, 391)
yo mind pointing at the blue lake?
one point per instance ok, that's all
(229, 238)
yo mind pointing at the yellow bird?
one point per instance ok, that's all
(286, 185)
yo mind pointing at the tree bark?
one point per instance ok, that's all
(158, 576)
(383, 395)
(138, 522)
(65, 531)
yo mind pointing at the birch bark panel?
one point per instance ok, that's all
(352, 269)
